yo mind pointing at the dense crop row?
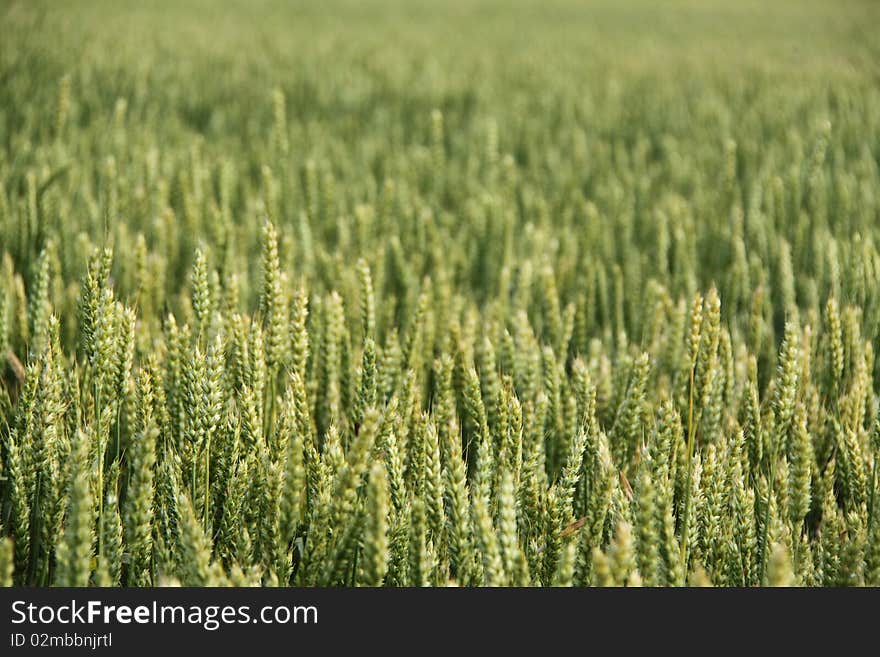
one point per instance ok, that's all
(570, 331)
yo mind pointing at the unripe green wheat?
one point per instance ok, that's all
(419, 330)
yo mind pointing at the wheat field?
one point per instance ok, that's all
(427, 294)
